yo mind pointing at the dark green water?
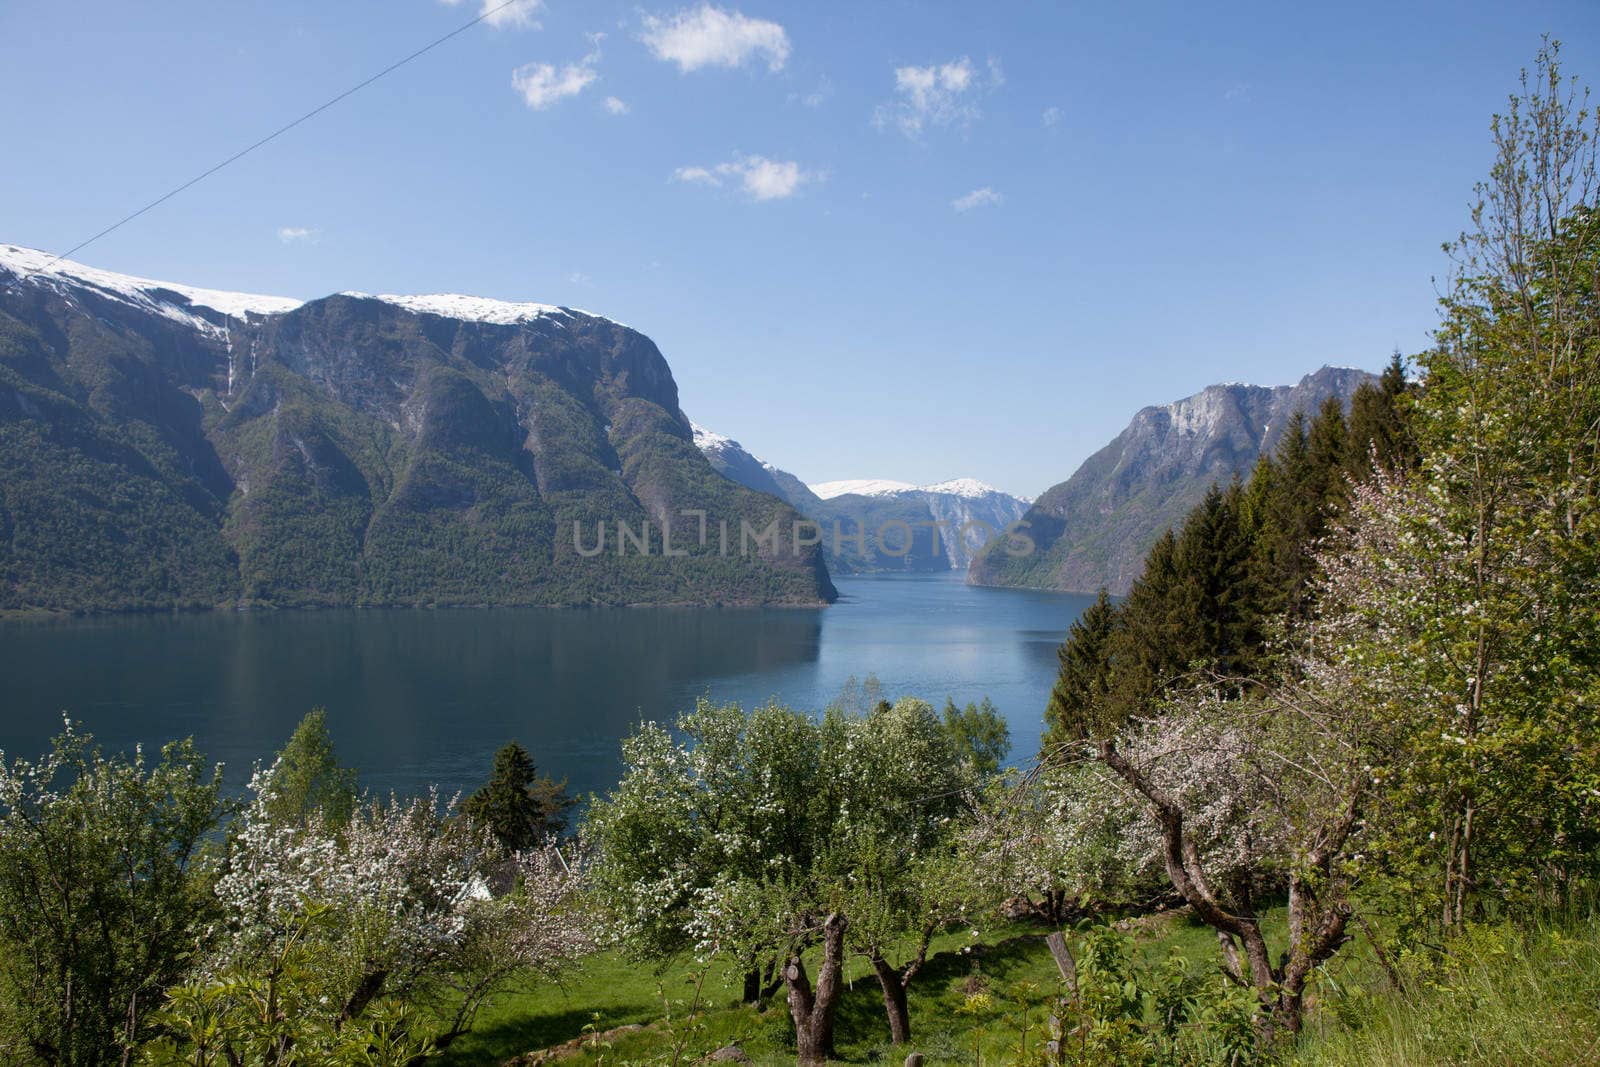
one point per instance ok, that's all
(419, 697)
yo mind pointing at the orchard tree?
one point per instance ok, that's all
(104, 894)
(770, 836)
(1057, 841)
(412, 917)
(735, 798)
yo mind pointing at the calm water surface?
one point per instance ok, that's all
(416, 697)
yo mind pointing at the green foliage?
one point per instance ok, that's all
(521, 807)
(979, 734)
(309, 780)
(1476, 578)
(1128, 1009)
(739, 839)
(1503, 994)
(104, 894)
(282, 1011)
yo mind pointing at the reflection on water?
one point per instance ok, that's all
(426, 696)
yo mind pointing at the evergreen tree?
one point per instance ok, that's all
(1214, 600)
(1079, 701)
(1378, 430)
(309, 779)
(520, 806)
(1326, 460)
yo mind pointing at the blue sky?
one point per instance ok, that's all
(898, 240)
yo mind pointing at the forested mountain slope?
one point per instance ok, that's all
(163, 447)
(1093, 530)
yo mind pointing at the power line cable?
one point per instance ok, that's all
(274, 135)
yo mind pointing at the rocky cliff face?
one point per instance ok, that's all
(1094, 529)
(964, 512)
(163, 446)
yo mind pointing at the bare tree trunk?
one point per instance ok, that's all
(813, 1010)
(894, 1000)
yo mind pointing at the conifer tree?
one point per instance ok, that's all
(520, 806)
(1078, 703)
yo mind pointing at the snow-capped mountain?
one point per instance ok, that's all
(962, 509)
(196, 448)
(186, 304)
(967, 487)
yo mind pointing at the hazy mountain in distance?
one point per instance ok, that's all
(1094, 529)
(877, 505)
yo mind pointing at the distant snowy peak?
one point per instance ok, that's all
(860, 487)
(168, 299)
(474, 308)
(970, 488)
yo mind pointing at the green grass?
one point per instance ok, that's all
(608, 991)
(1509, 995)
(1525, 996)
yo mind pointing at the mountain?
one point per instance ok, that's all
(960, 511)
(163, 446)
(1094, 529)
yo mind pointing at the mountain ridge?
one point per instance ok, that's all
(1092, 530)
(160, 451)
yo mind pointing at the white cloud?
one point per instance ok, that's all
(1052, 116)
(290, 235)
(708, 36)
(983, 197)
(543, 84)
(503, 15)
(696, 175)
(615, 106)
(758, 177)
(577, 277)
(942, 94)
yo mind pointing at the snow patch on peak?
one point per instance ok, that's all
(167, 299)
(967, 487)
(860, 487)
(475, 308)
(468, 308)
(711, 441)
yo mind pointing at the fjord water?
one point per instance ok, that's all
(422, 697)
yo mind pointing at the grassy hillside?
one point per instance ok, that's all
(1508, 996)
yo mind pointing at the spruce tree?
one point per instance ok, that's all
(1378, 428)
(520, 806)
(1079, 702)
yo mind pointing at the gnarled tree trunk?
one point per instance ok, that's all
(1316, 927)
(813, 1009)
